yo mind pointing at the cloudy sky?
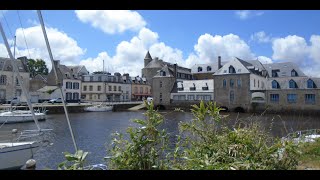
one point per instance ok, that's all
(122, 38)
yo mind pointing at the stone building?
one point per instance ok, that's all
(141, 90)
(9, 85)
(205, 71)
(106, 87)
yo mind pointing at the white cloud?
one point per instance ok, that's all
(3, 51)
(63, 47)
(291, 48)
(265, 60)
(112, 21)
(245, 14)
(261, 37)
(130, 54)
(210, 47)
(315, 48)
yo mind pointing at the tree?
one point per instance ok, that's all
(37, 66)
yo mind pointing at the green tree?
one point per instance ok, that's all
(37, 66)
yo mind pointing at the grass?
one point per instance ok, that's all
(310, 157)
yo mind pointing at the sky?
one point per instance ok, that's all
(121, 38)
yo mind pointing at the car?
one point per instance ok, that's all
(15, 101)
(57, 100)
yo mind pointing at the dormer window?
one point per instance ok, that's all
(311, 84)
(162, 73)
(294, 73)
(66, 75)
(208, 68)
(206, 87)
(292, 84)
(193, 88)
(275, 85)
(199, 69)
(232, 70)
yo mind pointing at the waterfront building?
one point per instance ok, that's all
(141, 90)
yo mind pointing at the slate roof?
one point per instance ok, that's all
(285, 69)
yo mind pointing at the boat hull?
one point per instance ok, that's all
(15, 155)
(98, 109)
(20, 117)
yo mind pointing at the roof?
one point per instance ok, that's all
(214, 68)
(284, 69)
(300, 81)
(169, 72)
(62, 70)
(148, 56)
(5, 65)
(47, 88)
(155, 63)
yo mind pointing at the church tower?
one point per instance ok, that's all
(147, 59)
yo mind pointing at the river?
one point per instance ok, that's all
(92, 131)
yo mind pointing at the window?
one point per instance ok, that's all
(114, 88)
(146, 90)
(191, 97)
(119, 88)
(141, 90)
(18, 92)
(274, 98)
(75, 85)
(207, 97)
(205, 88)
(160, 97)
(199, 97)
(193, 88)
(3, 79)
(68, 85)
(224, 83)
(275, 73)
(99, 78)
(292, 84)
(311, 84)
(160, 83)
(68, 96)
(84, 88)
(91, 78)
(232, 70)
(110, 88)
(75, 96)
(99, 88)
(231, 83)
(208, 68)
(17, 82)
(199, 69)
(239, 82)
(275, 85)
(292, 98)
(162, 73)
(135, 90)
(90, 88)
(98, 96)
(310, 98)
(90, 96)
(294, 73)
(231, 96)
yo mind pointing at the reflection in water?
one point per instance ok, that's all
(93, 131)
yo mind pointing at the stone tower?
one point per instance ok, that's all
(147, 59)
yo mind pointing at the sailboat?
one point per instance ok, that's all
(14, 154)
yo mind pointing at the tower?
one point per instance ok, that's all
(147, 59)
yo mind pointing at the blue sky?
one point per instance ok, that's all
(121, 38)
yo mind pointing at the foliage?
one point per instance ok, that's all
(73, 161)
(213, 145)
(146, 147)
(310, 154)
(37, 66)
(50, 91)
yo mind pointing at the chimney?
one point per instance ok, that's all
(24, 62)
(175, 70)
(56, 63)
(219, 62)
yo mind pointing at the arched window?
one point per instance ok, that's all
(162, 73)
(232, 70)
(231, 83)
(292, 84)
(224, 83)
(294, 73)
(311, 84)
(208, 68)
(275, 85)
(199, 69)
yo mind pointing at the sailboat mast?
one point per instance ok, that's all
(14, 47)
(15, 69)
(56, 75)
(103, 66)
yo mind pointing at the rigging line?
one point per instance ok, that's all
(25, 40)
(56, 75)
(5, 19)
(20, 80)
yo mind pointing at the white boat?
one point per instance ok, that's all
(20, 116)
(15, 155)
(98, 108)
